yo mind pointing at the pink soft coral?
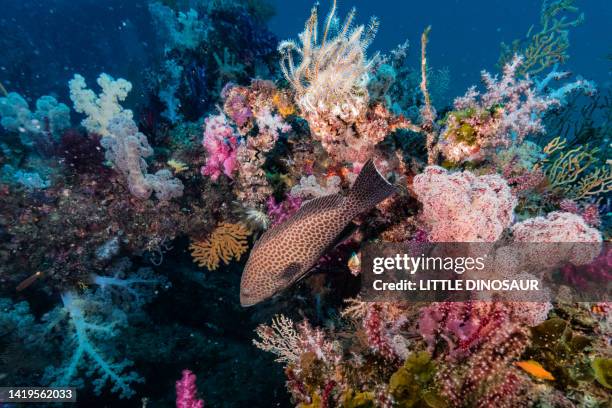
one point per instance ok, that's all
(221, 144)
(589, 212)
(462, 207)
(280, 212)
(570, 239)
(509, 110)
(556, 227)
(186, 392)
(464, 326)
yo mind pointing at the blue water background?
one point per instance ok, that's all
(45, 42)
(466, 34)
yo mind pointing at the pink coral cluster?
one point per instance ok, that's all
(555, 227)
(221, 144)
(236, 105)
(462, 325)
(462, 207)
(127, 149)
(510, 109)
(486, 337)
(520, 179)
(375, 329)
(280, 212)
(269, 126)
(352, 136)
(249, 108)
(186, 392)
(313, 340)
(487, 378)
(252, 187)
(568, 236)
(589, 212)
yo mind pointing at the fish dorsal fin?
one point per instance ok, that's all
(369, 189)
(309, 208)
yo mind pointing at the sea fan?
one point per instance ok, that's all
(228, 241)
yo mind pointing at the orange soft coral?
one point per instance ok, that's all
(228, 241)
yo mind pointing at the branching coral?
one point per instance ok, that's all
(573, 173)
(134, 289)
(510, 110)
(252, 108)
(85, 346)
(548, 46)
(488, 378)
(186, 391)
(479, 341)
(463, 207)
(125, 146)
(227, 242)
(252, 187)
(280, 338)
(464, 326)
(309, 356)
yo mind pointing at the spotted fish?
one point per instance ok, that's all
(286, 252)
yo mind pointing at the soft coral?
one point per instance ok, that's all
(86, 345)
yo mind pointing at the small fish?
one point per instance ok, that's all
(354, 264)
(535, 369)
(28, 281)
(286, 252)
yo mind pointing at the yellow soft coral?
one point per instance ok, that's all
(284, 105)
(228, 241)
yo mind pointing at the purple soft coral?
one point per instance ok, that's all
(598, 272)
(220, 143)
(465, 326)
(186, 392)
(280, 212)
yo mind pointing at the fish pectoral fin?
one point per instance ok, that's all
(346, 233)
(291, 272)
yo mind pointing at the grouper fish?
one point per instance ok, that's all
(286, 252)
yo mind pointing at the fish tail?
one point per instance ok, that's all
(369, 189)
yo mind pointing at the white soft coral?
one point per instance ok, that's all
(100, 109)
